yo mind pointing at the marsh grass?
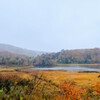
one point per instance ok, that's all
(16, 88)
(38, 85)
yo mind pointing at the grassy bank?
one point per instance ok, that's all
(92, 65)
(14, 68)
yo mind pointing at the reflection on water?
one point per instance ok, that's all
(69, 68)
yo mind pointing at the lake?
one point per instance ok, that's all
(69, 68)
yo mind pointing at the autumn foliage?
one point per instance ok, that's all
(71, 92)
(12, 86)
(97, 87)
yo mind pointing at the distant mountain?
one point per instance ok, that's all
(17, 50)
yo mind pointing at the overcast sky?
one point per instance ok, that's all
(50, 25)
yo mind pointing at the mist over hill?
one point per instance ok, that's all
(18, 50)
(6, 54)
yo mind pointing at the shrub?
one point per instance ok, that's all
(14, 88)
(71, 92)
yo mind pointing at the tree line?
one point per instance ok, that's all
(82, 56)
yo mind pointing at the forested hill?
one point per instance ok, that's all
(17, 50)
(12, 59)
(79, 56)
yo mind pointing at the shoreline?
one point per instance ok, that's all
(78, 65)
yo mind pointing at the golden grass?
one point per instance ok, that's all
(83, 79)
(8, 68)
(51, 80)
(57, 77)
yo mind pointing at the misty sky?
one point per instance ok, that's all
(50, 25)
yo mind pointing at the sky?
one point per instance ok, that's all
(50, 25)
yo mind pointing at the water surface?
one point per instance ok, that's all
(69, 68)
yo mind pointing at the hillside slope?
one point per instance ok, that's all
(17, 50)
(78, 56)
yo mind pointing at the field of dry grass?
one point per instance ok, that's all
(81, 78)
(50, 82)
(13, 68)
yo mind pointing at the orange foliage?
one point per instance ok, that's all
(97, 87)
(71, 91)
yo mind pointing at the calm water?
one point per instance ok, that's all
(69, 68)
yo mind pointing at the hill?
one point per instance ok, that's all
(17, 50)
(78, 56)
(5, 54)
(12, 59)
